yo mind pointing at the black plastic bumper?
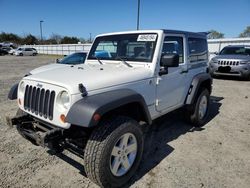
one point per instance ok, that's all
(38, 134)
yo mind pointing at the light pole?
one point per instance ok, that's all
(138, 15)
(41, 29)
(90, 37)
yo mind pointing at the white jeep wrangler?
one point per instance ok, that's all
(95, 109)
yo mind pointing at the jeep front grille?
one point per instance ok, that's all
(39, 101)
(231, 63)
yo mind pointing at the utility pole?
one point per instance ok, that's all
(90, 37)
(41, 29)
(138, 15)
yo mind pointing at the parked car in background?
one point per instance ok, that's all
(3, 52)
(34, 49)
(7, 49)
(232, 61)
(72, 59)
(12, 51)
(25, 51)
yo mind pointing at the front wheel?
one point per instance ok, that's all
(113, 152)
(198, 112)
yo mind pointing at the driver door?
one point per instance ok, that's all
(171, 86)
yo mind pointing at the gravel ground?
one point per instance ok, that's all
(176, 155)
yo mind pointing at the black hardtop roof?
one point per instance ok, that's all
(187, 33)
(239, 45)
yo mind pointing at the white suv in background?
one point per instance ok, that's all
(25, 51)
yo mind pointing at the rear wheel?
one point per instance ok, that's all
(113, 152)
(198, 112)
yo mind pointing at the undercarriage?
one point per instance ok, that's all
(56, 139)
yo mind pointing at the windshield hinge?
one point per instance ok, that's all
(158, 80)
(157, 102)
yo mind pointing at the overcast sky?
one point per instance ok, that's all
(81, 17)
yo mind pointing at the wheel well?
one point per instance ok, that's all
(133, 110)
(206, 84)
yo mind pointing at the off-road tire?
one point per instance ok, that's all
(99, 147)
(192, 111)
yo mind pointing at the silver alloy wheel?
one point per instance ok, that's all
(123, 154)
(203, 107)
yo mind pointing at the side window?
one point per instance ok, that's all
(173, 45)
(197, 49)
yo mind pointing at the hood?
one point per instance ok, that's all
(46, 68)
(92, 77)
(232, 57)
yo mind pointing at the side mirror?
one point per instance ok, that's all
(170, 60)
(216, 53)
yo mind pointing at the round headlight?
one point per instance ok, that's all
(64, 99)
(21, 88)
(213, 61)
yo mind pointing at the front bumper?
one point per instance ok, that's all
(47, 135)
(37, 132)
(228, 70)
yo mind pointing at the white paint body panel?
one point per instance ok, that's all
(47, 67)
(142, 78)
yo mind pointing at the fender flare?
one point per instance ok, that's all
(82, 112)
(195, 85)
(13, 92)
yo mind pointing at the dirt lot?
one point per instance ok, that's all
(176, 155)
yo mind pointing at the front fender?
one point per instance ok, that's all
(13, 92)
(83, 111)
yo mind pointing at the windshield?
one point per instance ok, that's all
(73, 59)
(235, 51)
(130, 47)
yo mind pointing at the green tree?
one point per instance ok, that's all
(69, 40)
(245, 33)
(215, 35)
(10, 37)
(30, 40)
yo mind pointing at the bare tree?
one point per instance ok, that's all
(245, 33)
(215, 35)
(56, 37)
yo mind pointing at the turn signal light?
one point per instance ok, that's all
(97, 117)
(62, 118)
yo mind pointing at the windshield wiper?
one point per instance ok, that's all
(98, 60)
(123, 61)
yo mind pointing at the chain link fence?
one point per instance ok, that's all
(61, 49)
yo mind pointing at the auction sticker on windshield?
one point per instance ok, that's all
(147, 37)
